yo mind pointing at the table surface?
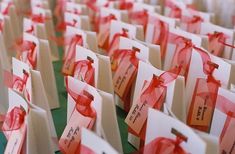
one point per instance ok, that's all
(59, 115)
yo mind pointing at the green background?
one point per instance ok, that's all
(59, 115)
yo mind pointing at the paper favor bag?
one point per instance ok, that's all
(133, 31)
(50, 30)
(118, 29)
(76, 8)
(163, 132)
(148, 52)
(124, 64)
(34, 89)
(172, 45)
(157, 30)
(196, 71)
(191, 20)
(174, 98)
(92, 143)
(8, 36)
(9, 10)
(138, 6)
(102, 76)
(223, 120)
(39, 59)
(173, 9)
(38, 3)
(88, 37)
(78, 21)
(36, 29)
(101, 117)
(219, 39)
(27, 136)
(103, 24)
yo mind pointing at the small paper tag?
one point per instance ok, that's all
(16, 140)
(71, 137)
(215, 46)
(202, 105)
(138, 113)
(123, 77)
(194, 28)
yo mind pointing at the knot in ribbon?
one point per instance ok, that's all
(85, 66)
(163, 145)
(191, 20)
(107, 19)
(83, 101)
(124, 5)
(175, 10)
(14, 119)
(120, 54)
(6, 10)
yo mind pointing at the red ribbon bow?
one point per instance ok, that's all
(61, 27)
(30, 48)
(115, 40)
(69, 57)
(86, 66)
(14, 119)
(221, 38)
(6, 10)
(153, 98)
(175, 10)
(124, 5)
(139, 17)
(83, 101)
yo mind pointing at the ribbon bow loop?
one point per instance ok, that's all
(14, 119)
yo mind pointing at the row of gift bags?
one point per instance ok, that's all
(192, 89)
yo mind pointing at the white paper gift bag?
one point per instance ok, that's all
(173, 8)
(34, 89)
(124, 64)
(168, 95)
(8, 36)
(78, 21)
(191, 20)
(219, 40)
(90, 142)
(25, 136)
(98, 115)
(138, 6)
(93, 68)
(35, 28)
(223, 73)
(172, 45)
(163, 132)
(9, 9)
(157, 30)
(50, 30)
(38, 3)
(118, 29)
(76, 8)
(36, 54)
(73, 37)
(149, 52)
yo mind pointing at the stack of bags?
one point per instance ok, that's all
(169, 64)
